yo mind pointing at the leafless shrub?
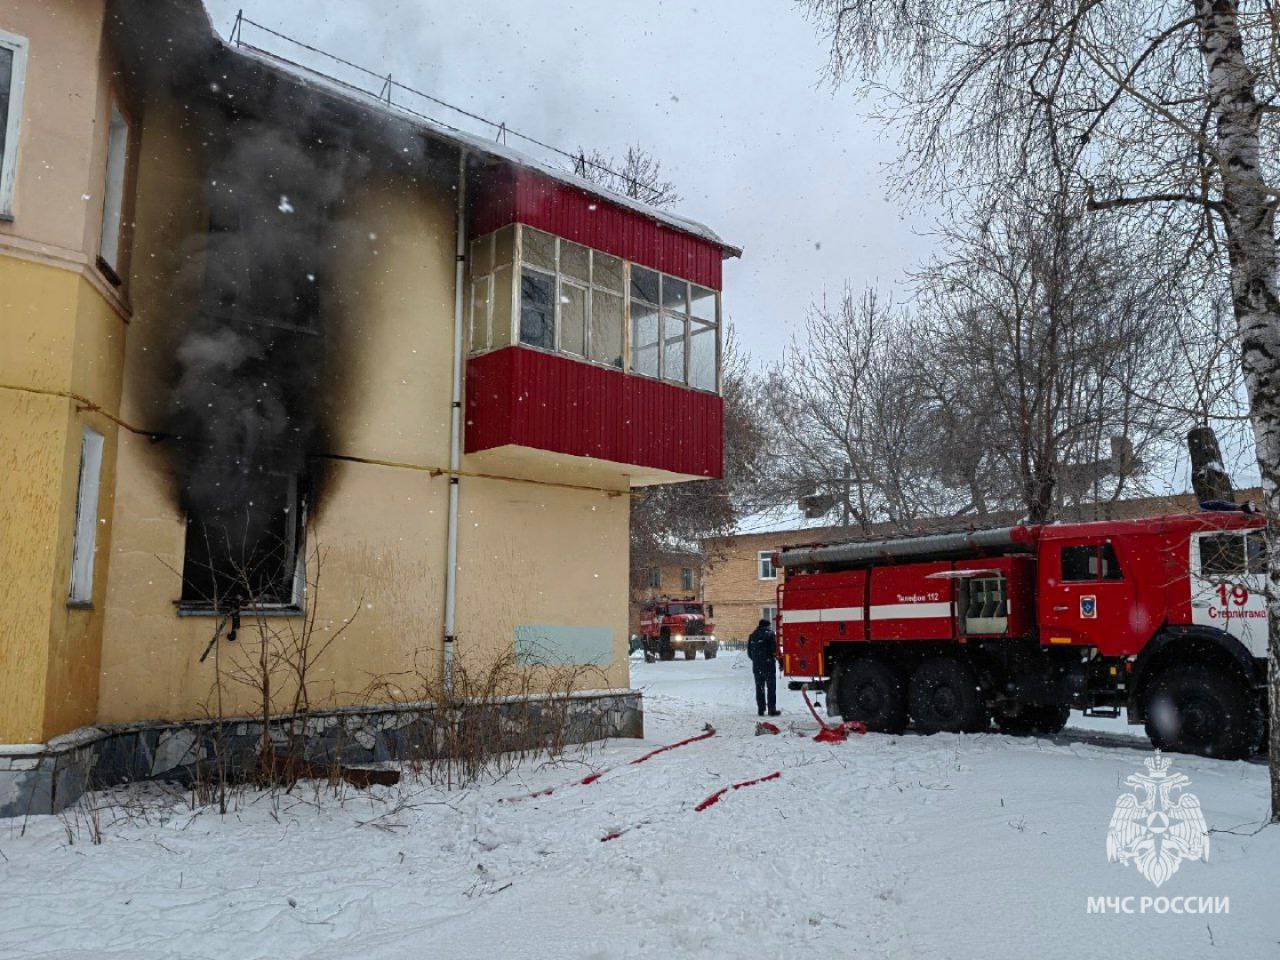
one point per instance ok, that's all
(500, 711)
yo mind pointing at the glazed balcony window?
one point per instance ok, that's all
(542, 291)
(13, 67)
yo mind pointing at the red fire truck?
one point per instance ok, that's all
(671, 625)
(1162, 617)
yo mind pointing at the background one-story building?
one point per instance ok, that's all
(276, 352)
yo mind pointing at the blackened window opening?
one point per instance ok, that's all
(246, 555)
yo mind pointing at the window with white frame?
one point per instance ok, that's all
(13, 71)
(764, 560)
(84, 547)
(113, 193)
(571, 298)
(492, 266)
(769, 613)
(574, 300)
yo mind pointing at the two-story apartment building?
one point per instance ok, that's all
(254, 322)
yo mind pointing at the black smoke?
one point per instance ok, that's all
(251, 365)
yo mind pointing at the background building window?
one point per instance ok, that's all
(86, 535)
(686, 579)
(765, 560)
(769, 613)
(13, 70)
(655, 578)
(113, 194)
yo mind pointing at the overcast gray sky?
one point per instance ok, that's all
(726, 93)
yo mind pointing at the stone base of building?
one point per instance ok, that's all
(48, 777)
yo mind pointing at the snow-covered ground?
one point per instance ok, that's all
(946, 846)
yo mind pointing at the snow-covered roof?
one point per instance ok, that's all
(481, 145)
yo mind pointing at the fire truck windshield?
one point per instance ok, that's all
(677, 608)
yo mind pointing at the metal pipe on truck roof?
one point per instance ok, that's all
(940, 545)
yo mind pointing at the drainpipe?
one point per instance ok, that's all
(455, 430)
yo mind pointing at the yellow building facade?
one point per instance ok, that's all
(111, 240)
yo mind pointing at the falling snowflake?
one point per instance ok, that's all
(285, 206)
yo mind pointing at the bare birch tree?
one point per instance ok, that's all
(1159, 109)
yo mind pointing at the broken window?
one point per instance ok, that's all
(246, 554)
(13, 68)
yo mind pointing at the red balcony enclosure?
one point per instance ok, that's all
(656, 431)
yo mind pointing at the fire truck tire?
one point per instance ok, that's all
(1033, 720)
(666, 653)
(709, 653)
(873, 693)
(945, 698)
(691, 654)
(1197, 709)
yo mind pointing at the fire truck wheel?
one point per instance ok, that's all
(874, 693)
(945, 698)
(690, 654)
(1201, 710)
(1033, 720)
(709, 653)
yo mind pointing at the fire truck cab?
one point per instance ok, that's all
(671, 625)
(1164, 618)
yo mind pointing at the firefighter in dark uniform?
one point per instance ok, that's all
(762, 648)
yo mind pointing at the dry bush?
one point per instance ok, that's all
(274, 657)
(498, 711)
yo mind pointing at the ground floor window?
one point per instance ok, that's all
(246, 554)
(85, 546)
(769, 613)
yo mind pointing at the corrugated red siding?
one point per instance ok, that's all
(509, 194)
(534, 399)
